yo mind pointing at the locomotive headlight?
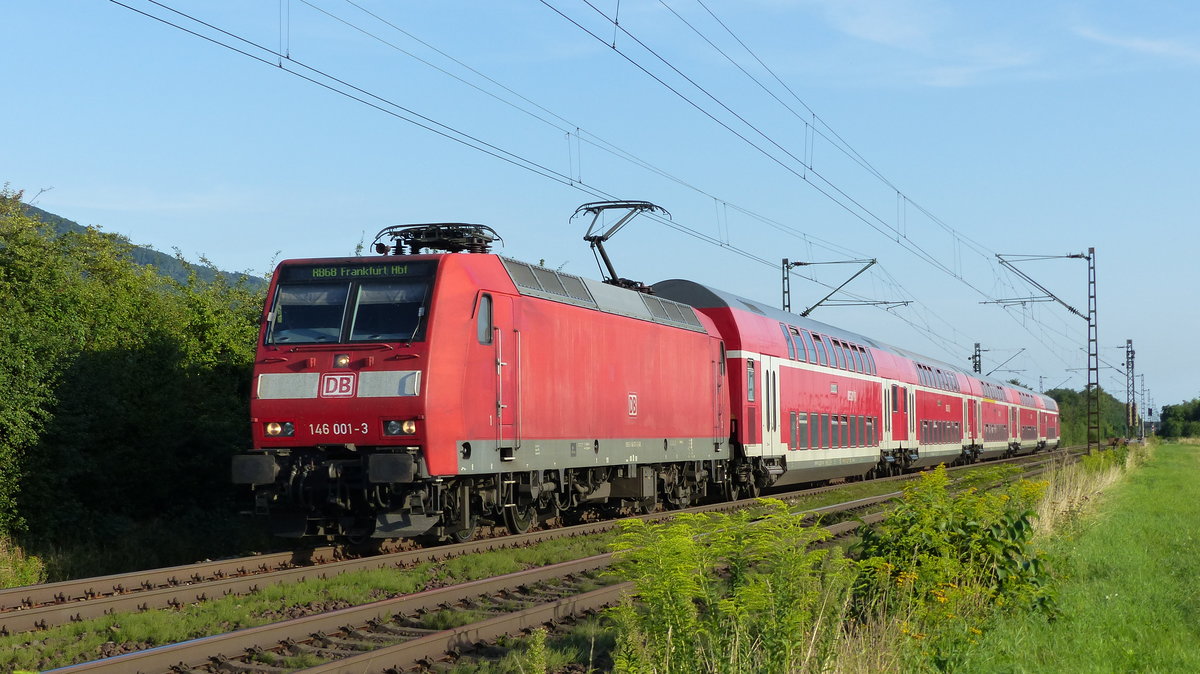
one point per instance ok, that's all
(395, 427)
(275, 429)
(341, 360)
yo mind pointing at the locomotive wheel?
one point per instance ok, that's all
(520, 518)
(464, 535)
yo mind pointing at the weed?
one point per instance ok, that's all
(17, 568)
(727, 593)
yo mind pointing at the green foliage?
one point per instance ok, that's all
(944, 561)
(1072, 410)
(125, 391)
(18, 569)
(1181, 421)
(535, 653)
(727, 593)
(1101, 461)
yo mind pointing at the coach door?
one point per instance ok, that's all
(507, 340)
(899, 413)
(769, 423)
(972, 420)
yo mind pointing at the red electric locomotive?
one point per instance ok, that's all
(424, 394)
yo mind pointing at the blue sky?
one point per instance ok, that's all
(946, 132)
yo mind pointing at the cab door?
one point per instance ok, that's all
(507, 342)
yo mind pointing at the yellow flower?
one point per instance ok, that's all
(976, 631)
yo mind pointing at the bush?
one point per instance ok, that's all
(129, 390)
(728, 593)
(942, 562)
(17, 568)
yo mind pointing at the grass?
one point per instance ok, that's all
(582, 648)
(17, 568)
(1130, 591)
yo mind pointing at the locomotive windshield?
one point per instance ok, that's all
(380, 308)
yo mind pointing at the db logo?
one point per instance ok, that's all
(633, 404)
(337, 385)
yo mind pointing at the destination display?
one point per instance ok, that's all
(351, 272)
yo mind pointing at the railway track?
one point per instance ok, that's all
(181, 585)
(39, 607)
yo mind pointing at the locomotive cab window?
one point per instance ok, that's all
(365, 304)
(388, 311)
(308, 313)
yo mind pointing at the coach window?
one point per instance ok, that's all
(871, 431)
(845, 431)
(795, 337)
(862, 430)
(895, 398)
(870, 361)
(859, 364)
(787, 337)
(821, 355)
(808, 346)
(854, 430)
(749, 380)
(483, 320)
(722, 359)
(802, 430)
(823, 430)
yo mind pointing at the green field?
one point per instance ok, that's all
(1129, 592)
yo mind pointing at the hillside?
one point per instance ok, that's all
(167, 265)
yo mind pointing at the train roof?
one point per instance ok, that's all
(549, 284)
(704, 297)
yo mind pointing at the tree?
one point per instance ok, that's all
(126, 391)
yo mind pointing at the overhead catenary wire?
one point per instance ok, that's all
(326, 80)
(902, 239)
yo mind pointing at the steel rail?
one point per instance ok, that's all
(417, 652)
(189, 654)
(51, 615)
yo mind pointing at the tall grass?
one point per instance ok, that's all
(1074, 488)
(728, 593)
(18, 568)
